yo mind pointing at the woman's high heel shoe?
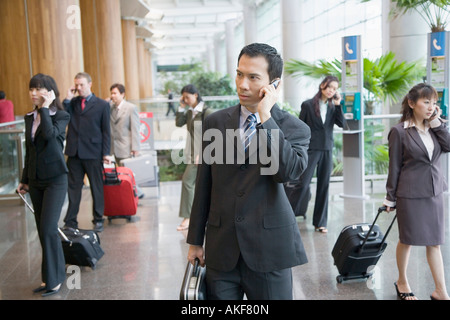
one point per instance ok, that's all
(52, 291)
(40, 288)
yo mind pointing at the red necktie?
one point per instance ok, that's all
(83, 101)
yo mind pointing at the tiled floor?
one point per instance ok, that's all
(145, 259)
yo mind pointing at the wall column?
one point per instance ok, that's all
(408, 40)
(38, 37)
(102, 43)
(229, 38)
(142, 68)
(250, 22)
(291, 33)
(130, 59)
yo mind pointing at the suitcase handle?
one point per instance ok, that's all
(372, 237)
(380, 209)
(32, 211)
(111, 178)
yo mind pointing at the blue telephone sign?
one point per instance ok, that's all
(350, 48)
(437, 45)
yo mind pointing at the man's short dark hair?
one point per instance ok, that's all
(2, 95)
(119, 87)
(271, 55)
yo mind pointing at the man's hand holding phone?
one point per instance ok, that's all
(71, 93)
(269, 96)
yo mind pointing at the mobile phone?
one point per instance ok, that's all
(275, 83)
(52, 95)
(434, 113)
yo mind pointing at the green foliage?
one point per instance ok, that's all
(388, 80)
(434, 12)
(384, 78)
(208, 83)
(319, 70)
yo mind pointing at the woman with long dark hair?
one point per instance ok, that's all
(45, 175)
(416, 185)
(320, 113)
(192, 110)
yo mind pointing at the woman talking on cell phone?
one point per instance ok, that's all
(320, 113)
(45, 175)
(415, 185)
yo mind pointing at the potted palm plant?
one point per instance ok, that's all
(385, 79)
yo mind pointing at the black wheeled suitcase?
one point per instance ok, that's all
(81, 247)
(194, 284)
(358, 247)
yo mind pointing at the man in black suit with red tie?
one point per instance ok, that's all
(87, 147)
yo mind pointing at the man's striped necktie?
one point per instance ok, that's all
(249, 130)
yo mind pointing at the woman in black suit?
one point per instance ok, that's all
(416, 185)
(320, 113)
(45, 175)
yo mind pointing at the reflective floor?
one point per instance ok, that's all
(145, 259)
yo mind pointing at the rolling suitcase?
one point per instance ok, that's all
(194, 284)
(119, 190)
(80, 247)
(358, 247)
(143, 168)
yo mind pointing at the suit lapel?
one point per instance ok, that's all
(437, 146)
(29, 125)
(415, 136)
(232, 126)
(328, 115)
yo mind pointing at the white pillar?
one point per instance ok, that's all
(210, 57)
(408, 40)
(292, 40)
(250, 22)
(229, 38)
(218, 53)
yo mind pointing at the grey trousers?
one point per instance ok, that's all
(274, 285)
(187, 190)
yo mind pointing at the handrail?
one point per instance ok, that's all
(11, 123)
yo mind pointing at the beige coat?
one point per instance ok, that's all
(125, 136)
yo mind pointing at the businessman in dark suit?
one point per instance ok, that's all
(321, 114)
(252, 238)
(87, 147)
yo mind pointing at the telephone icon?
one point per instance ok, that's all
(347, 48)
(435, 44)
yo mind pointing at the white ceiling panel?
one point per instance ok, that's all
(176, 26)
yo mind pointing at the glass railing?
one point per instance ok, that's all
(376, 127)
(12, 147)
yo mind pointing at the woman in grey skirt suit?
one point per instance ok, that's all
(415, 185)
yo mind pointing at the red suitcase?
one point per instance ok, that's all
(119, 189)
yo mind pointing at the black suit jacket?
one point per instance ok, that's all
(321, 133)
(242, 211)
(44, 158)
(89, 131)
(411, 172)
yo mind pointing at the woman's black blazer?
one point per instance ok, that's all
(321, 133)
(44, 158)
